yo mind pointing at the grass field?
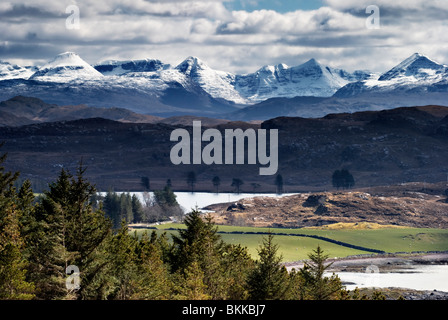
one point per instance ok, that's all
(295, 248)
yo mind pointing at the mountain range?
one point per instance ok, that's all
(152, 87)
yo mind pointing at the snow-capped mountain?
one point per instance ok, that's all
(144, 86)
(417, 73)
(308, 79)
(66, 66)
(218, 84)
(13, 71)
(416, 66)
(117, 67)
(416, 81)
(151, 86)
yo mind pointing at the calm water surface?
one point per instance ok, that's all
(426, 277)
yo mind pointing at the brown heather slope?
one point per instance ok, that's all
(378, 147)
(409, 208)
(20, 110)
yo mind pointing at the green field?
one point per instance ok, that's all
(295, 248)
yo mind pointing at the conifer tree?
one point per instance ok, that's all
(111, 206)
(316, 285)
(237, 183)
(47, 254)
(165, 197)
(200, 243)
(137, 209)
(126, 212)
(192, 286)
(269, 279)
(72, 234)
(153, 281)
(122, 268)
(237, 264)
(192, 242)
(13, 282)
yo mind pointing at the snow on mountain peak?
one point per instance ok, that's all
(218, 84)
(308, 79)
(66, 59)
(122, 67)
(13, 71)
(192, 64)
(417, 66)
(312, 62)
(66, 66)
(417, 73)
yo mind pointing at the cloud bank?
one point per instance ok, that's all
(237, 41)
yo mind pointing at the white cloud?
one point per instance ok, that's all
(238, 41)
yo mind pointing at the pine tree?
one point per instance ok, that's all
(126, 212)
(7, 178)
(111, 206)
(342, 179)
(13, 282)
(192, 286)
(122, 268)
(316, 285)
(72, 233)
(165, 197)
(47, 254)
(192, 242)
(269, 279)
(153, 282)
(87, 229)
(237, 264)
(200, 243)
(237, 183)
(137, 209)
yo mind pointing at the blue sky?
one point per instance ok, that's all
(277, 5)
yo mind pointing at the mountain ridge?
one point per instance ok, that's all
(267, 78)
(149, 86)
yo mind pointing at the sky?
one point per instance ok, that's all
(238, 36)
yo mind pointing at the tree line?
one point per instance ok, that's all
(66, 227)
(236, 183)
(339, 179)
(161, 206)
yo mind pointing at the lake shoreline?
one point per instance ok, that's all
(386, 262)
(392, 264)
